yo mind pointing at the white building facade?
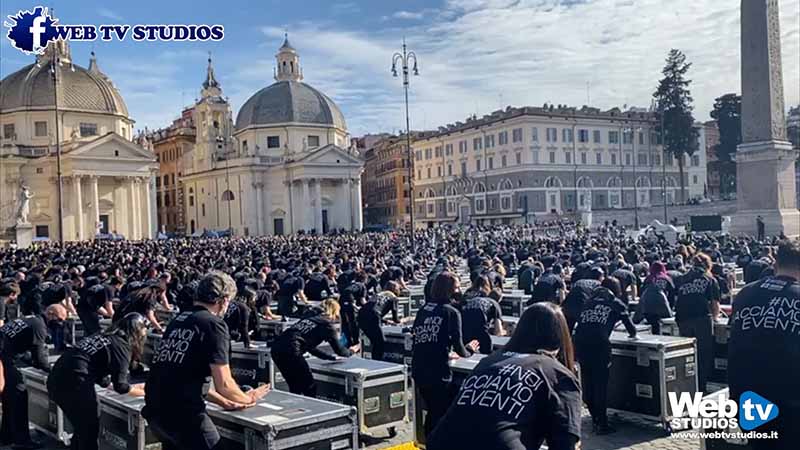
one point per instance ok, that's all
(518, 164)
(106, 178)
(284, 167)
(698, 166)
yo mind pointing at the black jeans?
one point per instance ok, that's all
(654, 322)
(700, 328)
(438, 398)
(296, 372)
(90, 321)
(14, 429)
(370, 324)
(349, 324)
(196, 432)
(595, 361)
(79, 404)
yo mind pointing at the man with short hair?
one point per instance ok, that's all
(764, 346)
(193, 351)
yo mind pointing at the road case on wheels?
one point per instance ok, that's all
(268, 330)
(43, 414)
(284, 421)
(122, 426)
(513, 304)
(252, 366)
(722, 332)
(377, 389)
(398, 348)
(462, 368)
(644, 370)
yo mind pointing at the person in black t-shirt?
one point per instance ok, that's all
(629, 283)
(371, 317)
(595, 324)
(520, 397)
(95, 302)
(437, 330)
(304, 337)
(72, 379)
(351, 298)
(764, 346)
(144, 301)
(237, 318)
(480, 315)
(193, 351)
(393, 273)
(292, 300)
(696, 307)
(549, 288)
(580, 292)
(17, 337)
(320, 285)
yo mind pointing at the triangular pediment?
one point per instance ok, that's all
(110, 145)
(330, 155)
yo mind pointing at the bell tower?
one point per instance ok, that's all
(213, 123)
(288, 60)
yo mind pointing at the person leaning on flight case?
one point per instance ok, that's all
(193, 351)
(764, 346)
(542, 399)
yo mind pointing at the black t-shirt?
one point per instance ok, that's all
(546, 289)
(353, 294)
(526, 278)
(181, 374)
(318, 287)
(25, 334)
(93, 359)
(755, 270)
(580, 292)
(344, 279)
(478, 315)
(95, 297)
(513, 401)
(305, 335)
(599, 316)
(236, 318)
(695, 292)
(764, 345)
(626, 279)
(437, 329)
(380, 305)
(667, 285)
(392, 273)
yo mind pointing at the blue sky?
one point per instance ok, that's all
(475, 55)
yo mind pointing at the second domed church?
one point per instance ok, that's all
(282, 167)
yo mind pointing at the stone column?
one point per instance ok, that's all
(148, 231)
(133, 210)
(76, 182)
(358, 217)
(348, 209)
(95, 204)
(306, 207)
(765, 173)
(259, 207)
(266, 203)
(318, 205)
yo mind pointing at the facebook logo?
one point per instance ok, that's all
(32, 31)
(755, 410)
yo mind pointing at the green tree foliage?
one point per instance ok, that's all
(728, 114)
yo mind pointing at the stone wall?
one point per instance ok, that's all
(647, 215)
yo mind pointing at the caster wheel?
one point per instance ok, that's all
(392, 432)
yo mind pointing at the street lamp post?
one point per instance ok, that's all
(633, 132)
(228, 195)
(404, 59)
(663, 164)
(54, 73)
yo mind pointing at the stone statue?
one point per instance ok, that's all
(24, 209)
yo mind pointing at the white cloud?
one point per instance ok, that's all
(407, 15)
(109, 14)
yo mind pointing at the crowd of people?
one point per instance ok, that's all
(338, 287)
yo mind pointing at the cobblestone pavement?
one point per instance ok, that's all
(632, 434)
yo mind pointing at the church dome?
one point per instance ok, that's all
(289, 101)
(80, 89)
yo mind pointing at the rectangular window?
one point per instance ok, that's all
(448, 149)
(438, 171)
(429, 172)
(449, 170)
(488, 141)
(536, 157)
(642, 159)
(535, 134)
(491, 163)
(613, 159)
(519, 158)
(463, 168)
(506, 203)
(273, 141)
(695, 160)
(552, 135)
(244, 147)
(430, 208)
(583, 136)
(627, 137)
(641, 138)
(596, 134)
(477, 144)
(502, 137)
(419, 155)
(419, 174)
(427, 153)
(462, 146)
(166, 180)
(203, 209)
(598, 157)
(40, 129)
(437, 152)
(568, 135)
(516, 135)
(191, 200)
(694, 179)
(8, 131)
(43, 231)
(568, 158)
(583, 158)
(552, 157)
(493, 203)
(479, 205)
(627, 159)
(657, 158)
(503, 161)
(88, 129)
(313, 141)
(613, 137)
(478, 164)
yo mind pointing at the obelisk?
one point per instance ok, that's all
(765, 172)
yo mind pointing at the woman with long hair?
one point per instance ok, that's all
(437, 333)
(520, 397)
(304, 336)
(658, 296)
(95, 359)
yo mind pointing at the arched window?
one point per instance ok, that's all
(643, 182)
(552, 182)
(430, 194)
(506, 185)
(585, 183)
(228, 196)
(479, 188)
(614, 182)
(451, 191)
(671, 182)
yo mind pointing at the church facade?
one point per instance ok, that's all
(106, 178)
(284, 166)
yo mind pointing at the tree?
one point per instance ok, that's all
(675, 104)
(728, 114)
